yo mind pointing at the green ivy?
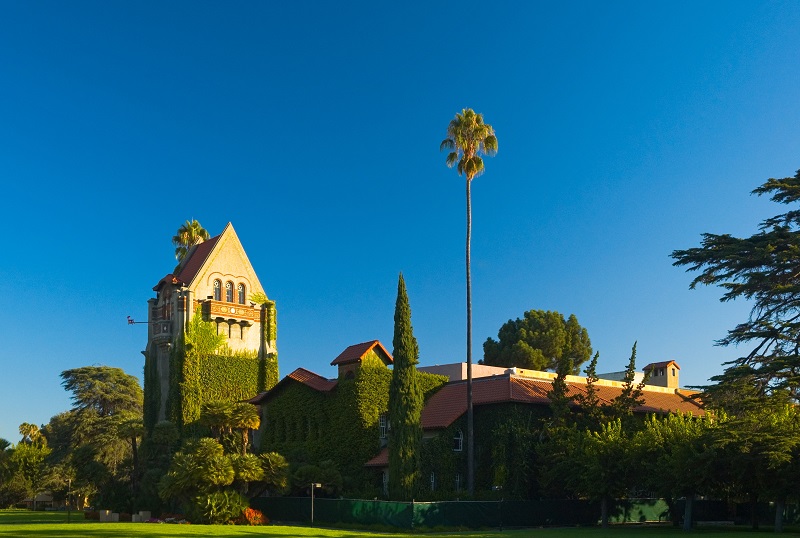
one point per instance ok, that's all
(309, 427)
(152, 391)
(203, 369)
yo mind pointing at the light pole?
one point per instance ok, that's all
(314, 485)
(500, 505)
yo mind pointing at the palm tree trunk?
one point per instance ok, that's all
(470, 430)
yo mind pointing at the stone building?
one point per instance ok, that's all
(217, 281)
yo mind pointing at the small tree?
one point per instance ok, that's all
(631, 396)
(592, 411)
(676, 457)
(559, 396)
(405, 404)
(605, 471)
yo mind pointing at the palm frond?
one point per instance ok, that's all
(452, 158)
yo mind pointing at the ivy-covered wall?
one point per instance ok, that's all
(203, 369)
(308, 426)
(504, 451)
(152, 391)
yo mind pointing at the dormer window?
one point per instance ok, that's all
(229, 292)
(217, 290)
(240, 293)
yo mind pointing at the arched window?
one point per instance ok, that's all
(458, 441)
(240, 292)
(229, 292)
(217, 290)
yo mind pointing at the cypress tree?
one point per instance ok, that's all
(405, 404)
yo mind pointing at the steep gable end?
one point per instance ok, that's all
(222, 259)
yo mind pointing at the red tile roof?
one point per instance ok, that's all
(381, 460)
(356, 352)
(449, 403)
(301, 375)
(197, 257)
(663, 364)
(189, 267)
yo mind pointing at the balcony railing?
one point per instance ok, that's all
(219, 309)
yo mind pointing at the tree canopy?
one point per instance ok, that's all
(190, 233)
(539, 341)
(103, 389)
(468, 137)
(763, 269)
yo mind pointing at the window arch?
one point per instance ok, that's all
(229, 292)
(240, 291)
(217, 290)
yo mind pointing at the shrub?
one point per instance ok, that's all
(219, 507)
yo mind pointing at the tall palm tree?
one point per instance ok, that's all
(467, 139)
(190, 233)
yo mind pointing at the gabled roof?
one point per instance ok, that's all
(189, 267)
(450, 402)
(356, 352)
(301, 375)
(197, 256)
(663, 364)
(381, 460)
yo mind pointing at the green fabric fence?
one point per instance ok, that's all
(470, 514)
(496, 514)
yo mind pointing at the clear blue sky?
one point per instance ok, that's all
(626, 129)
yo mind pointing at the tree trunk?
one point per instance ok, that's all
(754, 510)
(604, 511)
(780, 504)
(687, 513)
(470, 430)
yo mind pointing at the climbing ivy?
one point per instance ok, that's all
(309, 426)
(203, 369)
(152, 392)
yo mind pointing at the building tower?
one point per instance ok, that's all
(216, 281)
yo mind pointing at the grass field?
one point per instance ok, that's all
(22, 523)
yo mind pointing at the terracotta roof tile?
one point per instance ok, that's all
(301, 375)
(450, 402)
(198, 255)
(356, 352)
(315, 381)
(381, 460)
(662, 364)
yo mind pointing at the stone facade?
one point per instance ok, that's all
(217, 281)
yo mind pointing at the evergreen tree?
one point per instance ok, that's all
(559, 396)
(592, 411)
(631, 396)
(538, 341)
(405, 404)
(761, 269)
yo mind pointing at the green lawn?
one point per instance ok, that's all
(21, 523)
